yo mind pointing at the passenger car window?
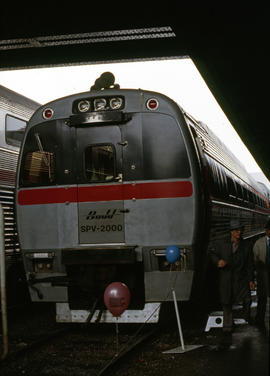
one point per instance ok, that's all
(14, 130)
(100, 163)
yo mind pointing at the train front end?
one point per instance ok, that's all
(105, 185)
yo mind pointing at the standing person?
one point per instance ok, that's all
(261, 252)
(234, 259)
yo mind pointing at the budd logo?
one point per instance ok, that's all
(108, 215)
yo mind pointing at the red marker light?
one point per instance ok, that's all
(47, 113)
(152, 104)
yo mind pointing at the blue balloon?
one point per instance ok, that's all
(173, 253)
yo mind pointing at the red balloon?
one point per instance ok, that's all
(117, 298)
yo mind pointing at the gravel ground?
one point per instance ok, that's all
(79, 350)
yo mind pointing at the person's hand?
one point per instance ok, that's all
(221, 263)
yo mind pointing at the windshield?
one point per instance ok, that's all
(38, 162)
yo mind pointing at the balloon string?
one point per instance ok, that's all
(117, 336)
(171, 283)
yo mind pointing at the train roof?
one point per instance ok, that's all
(214, 147)
(9, 100)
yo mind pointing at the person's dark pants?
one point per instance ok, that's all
(262, 293)
(263, 289)
(227, 318)
(261, 309)
(246, 309)
(228, 314)
(261, 304)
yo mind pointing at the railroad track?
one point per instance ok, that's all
(75, 351)
(40, 346)
(125, 349)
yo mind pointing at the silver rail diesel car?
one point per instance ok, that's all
(107, 180)
(15, 111)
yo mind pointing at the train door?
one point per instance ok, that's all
(100, 188)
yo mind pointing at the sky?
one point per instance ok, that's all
(177, 78)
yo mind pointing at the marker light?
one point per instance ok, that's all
(100, 104)
(47, 113)
(152, 104)
(116, 103)
(84, 106)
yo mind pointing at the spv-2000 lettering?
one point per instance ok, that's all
(101, 228)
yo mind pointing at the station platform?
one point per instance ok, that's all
(245, 351)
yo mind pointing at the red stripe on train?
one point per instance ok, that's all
(115, 192)
(47, 196)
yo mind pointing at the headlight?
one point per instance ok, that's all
(116, 103)
(84, 106)
(100, 104)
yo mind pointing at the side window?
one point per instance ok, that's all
(100, 163)
(217, 178)
(14, 130)
(231, 187)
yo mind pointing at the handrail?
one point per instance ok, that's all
(3, 285)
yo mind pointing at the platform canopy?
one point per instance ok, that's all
(228, 46)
